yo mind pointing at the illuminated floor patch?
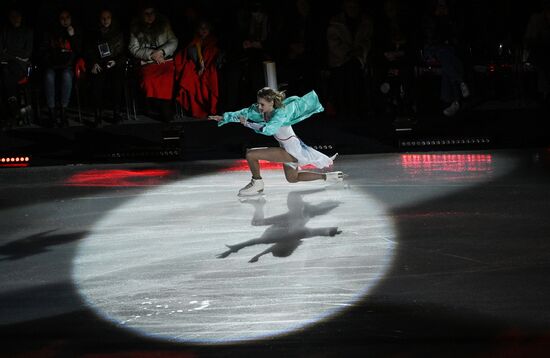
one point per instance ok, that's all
(159, 264)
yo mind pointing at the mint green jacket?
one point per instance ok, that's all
(294, 110)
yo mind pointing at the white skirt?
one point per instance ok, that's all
(304, 154)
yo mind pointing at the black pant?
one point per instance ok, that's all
(108, 84)
(348, 89)
(12, 72)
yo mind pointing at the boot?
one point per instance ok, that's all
(452, 109)
(117, 117)
(14, 114)
(63, 117)
(334, 177)
(166, 112)
(255, 187)
(51, 120)
(26, 114)
(98, 115)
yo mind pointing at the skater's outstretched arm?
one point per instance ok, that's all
(322, 231)
(251, 113)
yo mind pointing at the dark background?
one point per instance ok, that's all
(503, 110)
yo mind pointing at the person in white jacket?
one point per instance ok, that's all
(153, 43)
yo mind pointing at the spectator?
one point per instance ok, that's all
(302, 48)
(153, 44)
(16, 44)
(441, 33)
(394, 59)
(248, 46)
(349, 38)
(197, 68)
(61, 45)
(537, 46)
(187, 24)
(106, 62)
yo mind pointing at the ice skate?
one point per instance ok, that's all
(334, 177)
(255, 187)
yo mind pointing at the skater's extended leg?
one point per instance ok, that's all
(275, 154)
(294, 175)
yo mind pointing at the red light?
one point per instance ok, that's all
(14, 161)
(416, 163)
(119, 178)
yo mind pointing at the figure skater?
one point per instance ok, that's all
(273, 115)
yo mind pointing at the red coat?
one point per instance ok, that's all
(157, 80)
(198, 93)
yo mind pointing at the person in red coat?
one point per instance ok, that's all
(197, 67)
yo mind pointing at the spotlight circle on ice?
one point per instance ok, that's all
(302, 253)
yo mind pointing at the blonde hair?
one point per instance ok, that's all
(271, 95)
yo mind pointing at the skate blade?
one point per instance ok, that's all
(254, 200)
(255, 195)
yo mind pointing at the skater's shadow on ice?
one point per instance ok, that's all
(286, 231)
(37, 244)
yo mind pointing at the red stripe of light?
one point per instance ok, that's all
(447, 162)
(119, 178)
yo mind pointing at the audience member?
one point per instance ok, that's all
(394, 59)
(302, 48)
(197, 68)
(106, 65)
(247, 45)
(537, 47)
(353, 48)
(16, 44)
(60, 48)
(153, 44)
(349, 40)
(189, 16)
(441, 32)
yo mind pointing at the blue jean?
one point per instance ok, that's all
(452, 71)
(62, 77)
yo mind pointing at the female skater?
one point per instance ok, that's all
(273, 115)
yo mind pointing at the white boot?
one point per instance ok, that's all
(334, 177)
(452, 109)
(465, 90)
(256, 186)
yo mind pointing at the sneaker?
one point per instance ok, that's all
(256, 186)
(334, 177)
(452, 109)
(464, 89)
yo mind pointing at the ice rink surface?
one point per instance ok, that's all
(441, 251)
